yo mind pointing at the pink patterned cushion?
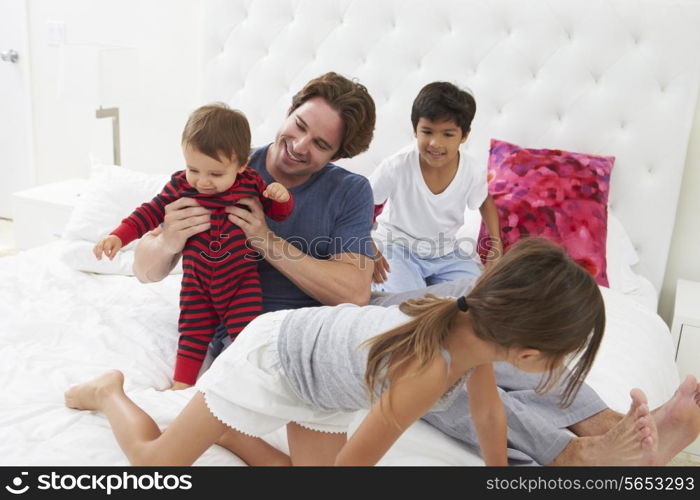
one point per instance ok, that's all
(559, 195)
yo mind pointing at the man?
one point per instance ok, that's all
(328, 260)
(322, 253)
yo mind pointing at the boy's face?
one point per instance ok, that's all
(207, 175)
(438, 142)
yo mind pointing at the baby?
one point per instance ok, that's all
(220, 280)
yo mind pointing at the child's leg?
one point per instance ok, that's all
(307, 447)
(238, 302)
(197, 324)
(137, 433)
(405, 271)
(253, 451)
(452, 267)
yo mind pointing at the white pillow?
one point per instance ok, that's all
(111, 194)
(620, 256)
(77, 254)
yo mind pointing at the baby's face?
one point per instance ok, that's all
(207, 175)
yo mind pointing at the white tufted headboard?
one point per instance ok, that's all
(614, 77)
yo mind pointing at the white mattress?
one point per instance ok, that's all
(59, 327)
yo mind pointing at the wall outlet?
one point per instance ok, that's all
(56, 33)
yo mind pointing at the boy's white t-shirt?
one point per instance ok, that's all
(414, 216)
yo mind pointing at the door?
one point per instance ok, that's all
(16, 158)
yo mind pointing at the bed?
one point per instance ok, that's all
(598, 76)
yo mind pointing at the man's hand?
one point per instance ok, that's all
(251, 220)
(276, 192)
(183, 218)
(109, 245)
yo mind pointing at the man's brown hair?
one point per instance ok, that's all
(354, 104)
(216, 130)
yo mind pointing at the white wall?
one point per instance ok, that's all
(157, 90)
(684, 255)
(161, 73)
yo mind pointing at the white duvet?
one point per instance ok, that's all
(59, 326)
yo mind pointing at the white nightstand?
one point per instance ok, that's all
(40, 213)
(686, 334)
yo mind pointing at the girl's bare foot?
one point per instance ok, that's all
(678, 420)
(87, 396)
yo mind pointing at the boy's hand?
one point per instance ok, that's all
(381, 266)
(495, 253)
(109, 245)
(276, 192)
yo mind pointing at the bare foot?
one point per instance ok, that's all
(178, 386)
(87, 396)
(678, 420)
(632, 441)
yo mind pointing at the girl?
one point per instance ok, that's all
(309, 369)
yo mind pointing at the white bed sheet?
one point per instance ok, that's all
(59, 327)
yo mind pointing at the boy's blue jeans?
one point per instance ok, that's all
(411, 272)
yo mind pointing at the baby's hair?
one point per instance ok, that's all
(444, 101)
(218, 131)
(534, 297)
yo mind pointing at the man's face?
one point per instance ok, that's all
(308, 139)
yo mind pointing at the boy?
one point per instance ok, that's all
(220, 277)
(429, 184)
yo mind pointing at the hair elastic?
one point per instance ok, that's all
(462, 304)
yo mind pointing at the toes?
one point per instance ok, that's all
(642, 410)
(647, 442)
(688, 386)
(69, 398)
(638, 397)
(643, 423)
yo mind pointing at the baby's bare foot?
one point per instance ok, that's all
(87, 396)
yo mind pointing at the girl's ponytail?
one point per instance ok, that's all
(535, 297)
(418, 340)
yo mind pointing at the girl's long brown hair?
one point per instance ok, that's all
(535, 297)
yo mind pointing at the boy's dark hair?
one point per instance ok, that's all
(444, 101)
(217, 130)
(354, 104)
